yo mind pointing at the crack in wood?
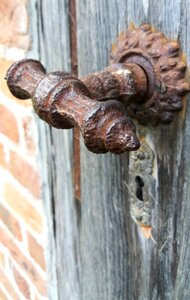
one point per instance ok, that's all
(74, 70)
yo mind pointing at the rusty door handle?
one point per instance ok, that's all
(64, 101)
(146, 78)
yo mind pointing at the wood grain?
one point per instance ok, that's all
(95, 250)
(50, 30)
(117, 261)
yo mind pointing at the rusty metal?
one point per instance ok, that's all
(146, 79)
(165, 69)
(117, 81)
(141, 185)
(63, 101)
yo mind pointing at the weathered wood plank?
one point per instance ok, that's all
(103, 227)
(95, 250)
(116, 261)
(50, 30)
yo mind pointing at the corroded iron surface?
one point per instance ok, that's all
(146, 79)
(141, 185)
(64, 101)
(117, 81)
(162, 62)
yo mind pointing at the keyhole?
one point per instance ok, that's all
(139, 187)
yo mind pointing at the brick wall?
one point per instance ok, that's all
(22, 226)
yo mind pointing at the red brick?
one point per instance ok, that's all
(23, 262)
(5, 281)
(13, 23)
(21, 283)
(2, 260)
(36, 251)
(21, 206)
(25, 173)
(10, 221)
(37, 298)
(2, 156)
(2, 295)
(28, 135)
(8, 124)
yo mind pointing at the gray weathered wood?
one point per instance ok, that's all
(96, 252)
(51, 45)
(116, 261)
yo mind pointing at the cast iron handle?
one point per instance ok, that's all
(146, 79)
(64, 101)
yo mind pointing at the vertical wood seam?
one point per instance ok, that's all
(74, 70)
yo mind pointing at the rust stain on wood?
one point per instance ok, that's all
(76, 132)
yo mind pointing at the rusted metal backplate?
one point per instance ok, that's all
(141, 187)
(164, 66)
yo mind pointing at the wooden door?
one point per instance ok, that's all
(95, 250)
